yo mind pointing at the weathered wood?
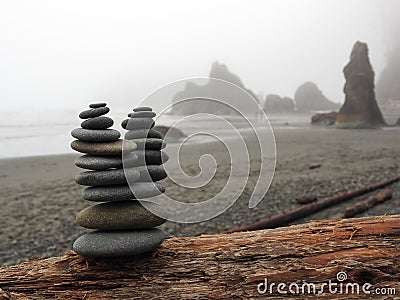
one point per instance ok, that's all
(366, 204)
(294, 214)
(225, 266)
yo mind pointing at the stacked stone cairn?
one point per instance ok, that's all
(123, 227)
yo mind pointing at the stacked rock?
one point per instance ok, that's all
(123, 226)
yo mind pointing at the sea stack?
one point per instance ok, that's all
(122, 226)
(360, 109)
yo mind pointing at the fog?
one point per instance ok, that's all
(64, 54)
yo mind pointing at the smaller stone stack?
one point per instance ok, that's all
(123, 226)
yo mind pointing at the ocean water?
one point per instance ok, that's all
(33, 133)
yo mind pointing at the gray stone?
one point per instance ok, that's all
(107, 177)
(94, 112)
(96, 105)
(120, 215)
(91, 135)
(148, 157)
(98, 162)
(118, 243)
(150, 144)
(138, 123)
(141, 190)
(111, 148)
(142, 133)
(143, 108)
(142, 114)
(150, 173)
(101, 122)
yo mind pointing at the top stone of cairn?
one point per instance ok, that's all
(142, 108)
(96, 105)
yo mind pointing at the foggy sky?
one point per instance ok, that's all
(64, 54)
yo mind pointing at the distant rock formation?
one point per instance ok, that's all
(275, 103)
(398, 122)
(327, 119)
(388, 84)
(213, 90)
(308, 97)
(360, 109)
(174, 134)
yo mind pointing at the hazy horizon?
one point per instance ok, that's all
(65, 54)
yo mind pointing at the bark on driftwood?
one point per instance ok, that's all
(308, 209)
(225, 266)
(366, 204)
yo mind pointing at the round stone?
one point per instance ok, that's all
(96, 105)
(107, 177)
(139, 123)
(143, 108)
(90, 135)
(150, 144)
(98, 162)
(141, 190)
(111, 148)
(94, 112)
(142, 133)
(150, 173)
(142, 114)
(98, 123)
(148, 157)
(101, 243)
(120, 215)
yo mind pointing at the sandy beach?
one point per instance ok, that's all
(39, 198)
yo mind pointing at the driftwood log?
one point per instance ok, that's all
(225, 266)
(294, 214)
(366, 204)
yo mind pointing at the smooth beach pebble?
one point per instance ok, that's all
(94, 112)
(143, 108)
(141, 190)
(142, 133)
(139, 123)
(151, 173)
(142, 114)
(107, 177)
(110, 148)
(148, 157)
(96, 105)
(118, 243)
(150, 144)
(91, 162)
(120, 215)
(90, 135)
(101, 122)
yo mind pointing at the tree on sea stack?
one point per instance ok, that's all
(360, 109)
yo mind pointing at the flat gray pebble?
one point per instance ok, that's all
(142, 108)
(115, 148)
(142, 133)
(139, 123)
(121, 215)
(107, 177)
(142, 114)
(142, 190)
(118, 243)
(94, 112)
(101, 122)
(96, 105)
(95, 135)
(148, 157)
(91, 162)
(150, 144)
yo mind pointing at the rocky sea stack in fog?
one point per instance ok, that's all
(275, 103)
(360, 109)
(122, 226)
(308, 97)
(213, 90)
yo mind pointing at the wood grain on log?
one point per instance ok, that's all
(366, 204)
(225, 266)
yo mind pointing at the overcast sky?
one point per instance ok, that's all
(63, 54)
